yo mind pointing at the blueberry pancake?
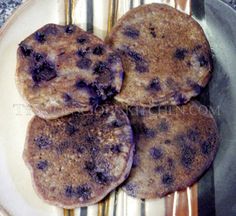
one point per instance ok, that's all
(62, 69)
(174, 147)
(78, 159)
(165, 55)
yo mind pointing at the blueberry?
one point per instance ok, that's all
(67, 98)
(69, 191)
(25, 50)
(79, 148)
(202, 61)
(155, 85)
(94, 150)
(90, 166)
(206, 147)
(82, 40)
(179, 98)
(101, 177)
(81, 53)
(152, 31)
(141, 67)
(180, 53)
(155, 153)
(42, 165)
(69, 29)
(159, 169)
(81, 84)
(83, 191)
(70, 129)
(43, 72)
(117, 123)
(187, 156)
(100, 67)
(98, 50)
(37, 57)
(167, 179)
(131, 188)
(40, 37)
(195, 86)
(84, 63)
(135, 56)
(91, 139)
(43, 142)
(116, 149)
(131, 32)
(113, 58)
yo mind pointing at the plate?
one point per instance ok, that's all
(213, 195)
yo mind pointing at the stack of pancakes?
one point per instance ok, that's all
(117, 112)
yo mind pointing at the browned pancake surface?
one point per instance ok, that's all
(173, 148)
(63, 69)
(78, 159)
(165, 54)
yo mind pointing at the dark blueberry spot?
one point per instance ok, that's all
(206, 147)
(163, 126)
(136, 161)
(79, 148)
(156, 153)
(187, 156)
(83, 191)
(37, 57)
(100, 67)
(131, 32)
(131, 188)
(69, 191)
(117, 123)
(141, 129)
(152, 31)
(81, 53)
(90, 165)
(94, 150)
(81, 84)
(180, 53)
(94, 101)
(26, 51)
(197, 88)
(193, 135)
(62, 147)
(155, 85)
(84, 63)
(70, 129)
(42, 142)
(167, 141)
(98, 50)
(135, 56)
(101, 177)
(82, 40)
(91, 139)
(40, 37)
(43, 72)
(42, 165)
(179, 98)
(141, 67)
(181, 139)
(67, 98)
(167, 179)
(109, 92)
(69, 29)
(116, 149)
(202, 61)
